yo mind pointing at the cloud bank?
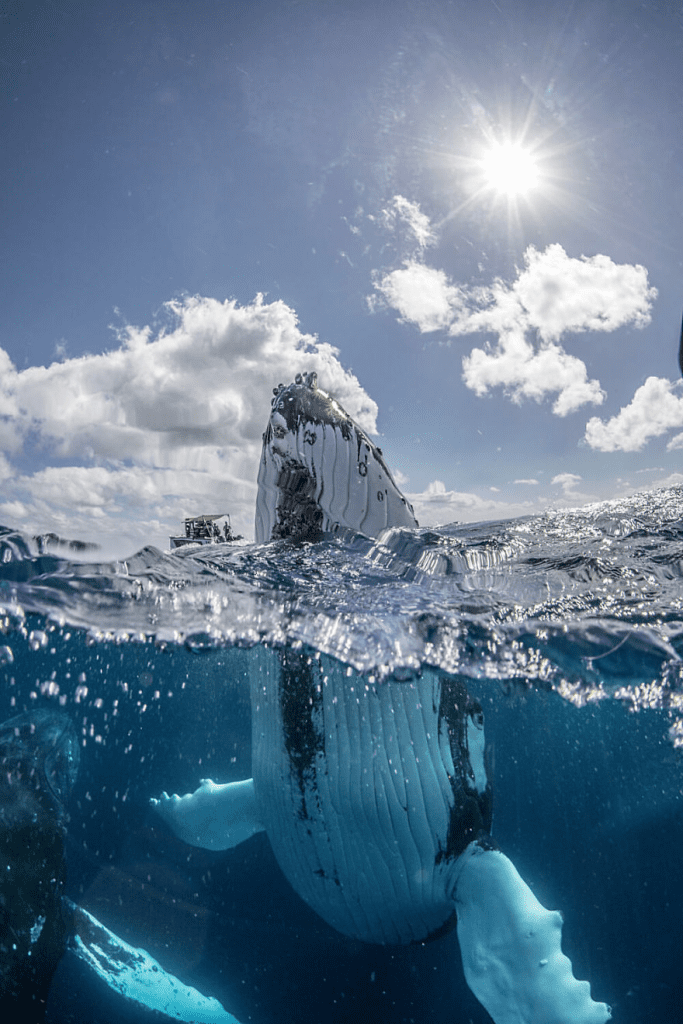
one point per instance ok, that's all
(656, 408)
(552, 295)
(166, 424)
(437, 506)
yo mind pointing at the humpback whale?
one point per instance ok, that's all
(320, 471)
(375, 795)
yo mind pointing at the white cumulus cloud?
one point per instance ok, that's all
(528, 372)
(166, 424)
(553, 294)
(656, 407)
(421, 294)
(567, 481)
(559, 293)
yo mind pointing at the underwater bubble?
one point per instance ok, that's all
(37, 639)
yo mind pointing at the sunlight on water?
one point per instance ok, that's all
(586, 601)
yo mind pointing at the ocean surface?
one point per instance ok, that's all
(568, 627)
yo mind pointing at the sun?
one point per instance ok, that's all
(510, 169)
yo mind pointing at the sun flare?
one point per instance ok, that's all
(510, 169)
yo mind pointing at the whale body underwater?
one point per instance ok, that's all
(376, 798)
(38, 765)
(41, 930)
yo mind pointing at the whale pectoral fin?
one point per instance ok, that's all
(214, 817)
(137, 977)
(510, 947)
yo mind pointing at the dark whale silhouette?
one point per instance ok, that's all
(38, 766)
(39, 925)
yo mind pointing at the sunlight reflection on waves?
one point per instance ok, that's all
(586, 601)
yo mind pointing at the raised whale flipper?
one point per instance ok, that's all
(320, 471)
(214, 817)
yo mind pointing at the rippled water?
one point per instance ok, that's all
(568, 626)
(586, 601)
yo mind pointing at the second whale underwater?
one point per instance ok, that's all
(40, 928)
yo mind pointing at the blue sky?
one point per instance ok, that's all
(166, 163)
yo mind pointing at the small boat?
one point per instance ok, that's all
(213, 529)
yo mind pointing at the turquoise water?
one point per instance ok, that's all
(566, 626)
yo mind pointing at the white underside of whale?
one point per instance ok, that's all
(360, 841)
(357, 831)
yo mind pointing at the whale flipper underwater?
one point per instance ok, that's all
(383, 855)
(39, 759)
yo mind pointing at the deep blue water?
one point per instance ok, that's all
(567, 626)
